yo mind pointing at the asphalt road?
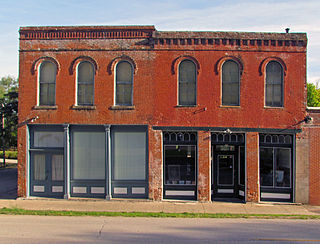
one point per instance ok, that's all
(8, 183)
(45, 229)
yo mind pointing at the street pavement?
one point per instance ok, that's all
(8, 183)
(53, 229)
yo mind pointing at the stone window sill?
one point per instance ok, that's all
(45, 107)
(83, 107)
(230, 106)
(269, 107)
(186, 106)
(120, 107)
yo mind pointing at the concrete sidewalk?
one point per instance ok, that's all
(164, 206)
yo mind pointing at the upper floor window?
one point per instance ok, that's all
(187, 83)
(230, 83)
(47, 83)
(85, 84)
(124, 84)
(274, 85)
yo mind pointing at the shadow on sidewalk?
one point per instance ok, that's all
(8, 182)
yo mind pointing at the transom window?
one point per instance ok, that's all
(274, 85)
(187, 83)
(230, 83)
(47, 83)
(124, 84)
(85, 87)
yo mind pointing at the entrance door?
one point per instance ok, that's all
(47, 174)
(225, 175)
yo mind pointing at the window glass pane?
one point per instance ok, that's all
(48, 139)
(266, 166)
(124, 72)
(85, 94)
(129, 155)
(187, 72)
(57, 167)
(123, 94)
(225, 169)
(180, 165)
(283, 167)
(274, 84)
(187, 83)
(242, 166)
(47, 72)
(230, 83)
(85, 72)
(89, 155)
(39, 167)
(187, 94)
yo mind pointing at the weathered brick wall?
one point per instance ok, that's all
(313, 129)
(204, 166)
(302, 167)
(253, 189)
(155, 165)
(22, 155)
(314, 157)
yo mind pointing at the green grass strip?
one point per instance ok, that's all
(19, 211)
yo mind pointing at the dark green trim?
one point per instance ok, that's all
(222, 129)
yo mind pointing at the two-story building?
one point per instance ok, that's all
(132, 112)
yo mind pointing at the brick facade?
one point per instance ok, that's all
(155, 57)
(313, 152)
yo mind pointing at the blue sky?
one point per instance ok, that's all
(212, 15)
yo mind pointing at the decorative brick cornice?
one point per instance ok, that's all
(86, 32)
(156, 38)
(210, 38)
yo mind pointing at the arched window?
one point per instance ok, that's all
(85, 84)
(47, 83)
(124, 84)
(274, 84)
(187, 83)
(230, 83)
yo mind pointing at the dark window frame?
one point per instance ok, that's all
(225, 103)
(85, 83)
(180, 103)
(41, 82)
(269, 83)
(274, 167)
(123, 83)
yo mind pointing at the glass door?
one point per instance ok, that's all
(47, 174)
(225, 172)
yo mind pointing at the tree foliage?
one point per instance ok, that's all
(313, 95)
(9, 110)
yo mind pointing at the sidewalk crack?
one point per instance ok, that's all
(101, 228)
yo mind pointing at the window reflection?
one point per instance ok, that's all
(180, 165)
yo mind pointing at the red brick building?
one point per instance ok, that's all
(132, 112)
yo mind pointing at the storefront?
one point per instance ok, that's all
(276, 167)
(180, 165)
(85, 161)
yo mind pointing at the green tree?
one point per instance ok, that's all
(313, 99)
(9, 109)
